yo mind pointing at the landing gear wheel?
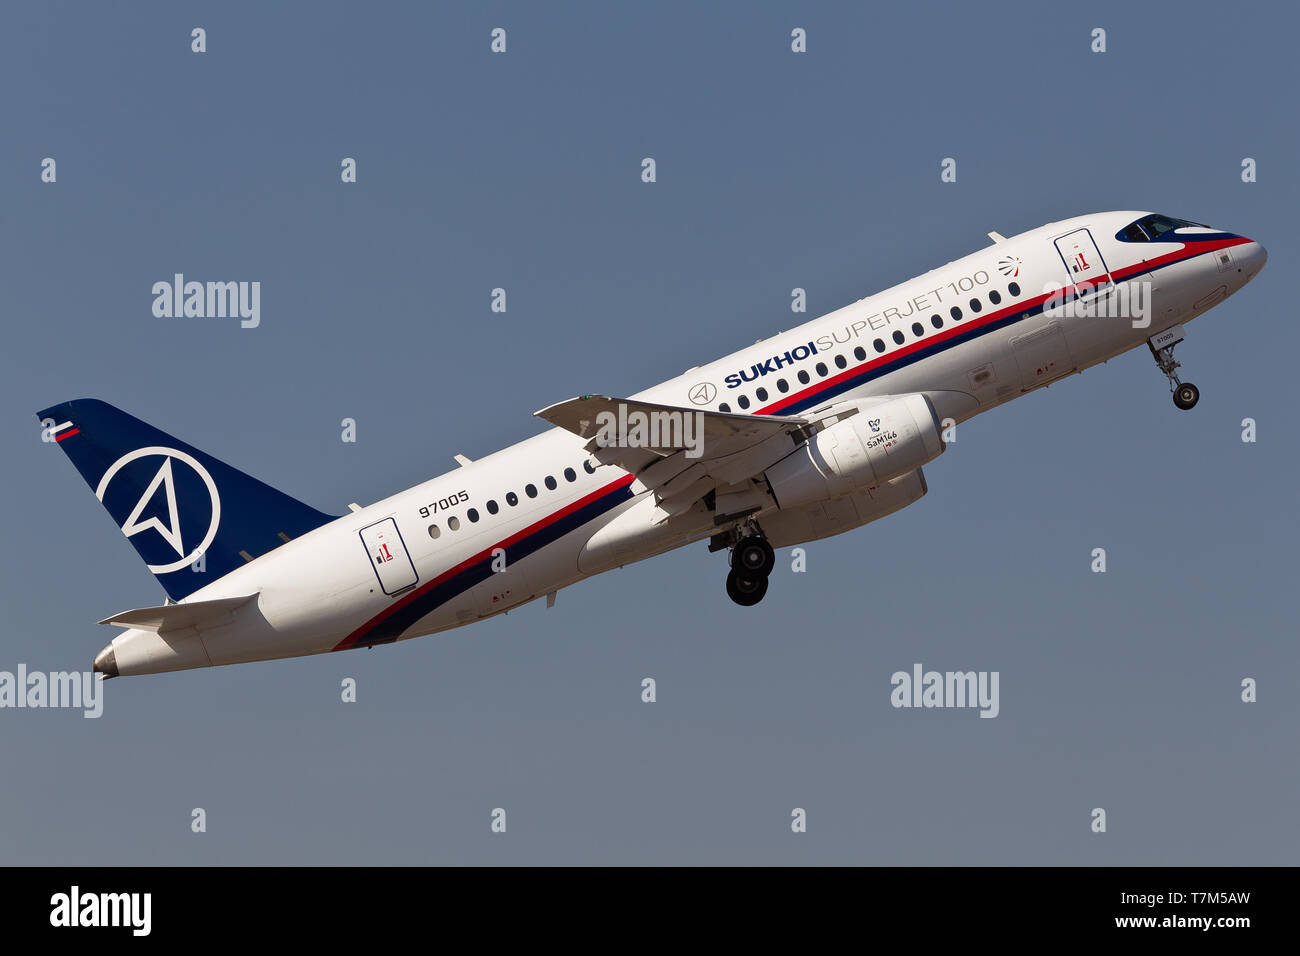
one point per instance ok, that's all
(1186, 395)
(753, 556)
(745, 589)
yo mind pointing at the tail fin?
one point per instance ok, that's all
(192, 518)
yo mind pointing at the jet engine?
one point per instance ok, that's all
(857, 445)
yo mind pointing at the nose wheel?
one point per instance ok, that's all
(1186, 395)
(752, 560)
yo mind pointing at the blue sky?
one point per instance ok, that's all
(775, 171)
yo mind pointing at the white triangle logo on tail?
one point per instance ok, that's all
(172, 533)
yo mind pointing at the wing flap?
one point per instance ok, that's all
(634, 434)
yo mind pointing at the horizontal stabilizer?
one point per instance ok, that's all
(171, 617)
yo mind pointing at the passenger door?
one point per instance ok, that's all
(1084, 266)
(388, 556)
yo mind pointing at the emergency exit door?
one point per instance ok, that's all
(388, 557)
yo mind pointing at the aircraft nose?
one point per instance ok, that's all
(1258, 255)
(1250, 257)
(106, 662)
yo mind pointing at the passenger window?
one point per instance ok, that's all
(743, 401)
(994, 296)
(453, 523)
(724, 407)
(821, 369)
(879, 345)
(512, 499)
(1013, 289)
(975, 305)
(588, 467)
(493, 507)
(918, 329)
(803, 377)
(570, 475)
(550, 483)
(472, 514)
(860, 354)
(936, 321)
(841, 361)
(898, 337)
(782, 385)
(955, 313)
(434, 531)
(761, 394)
(530, 491)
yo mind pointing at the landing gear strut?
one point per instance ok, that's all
(1186, 395)
(752, 560)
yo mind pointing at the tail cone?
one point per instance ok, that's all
(106, 663)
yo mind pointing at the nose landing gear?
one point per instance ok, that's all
(752, 560)
(1186, 395)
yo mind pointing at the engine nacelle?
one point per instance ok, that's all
(868, 444)
(837, 515)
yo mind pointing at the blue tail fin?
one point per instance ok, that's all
(192, 518)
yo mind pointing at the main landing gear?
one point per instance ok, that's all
(1186, 395)
(752, 560)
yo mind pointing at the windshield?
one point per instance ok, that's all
(1153, 227)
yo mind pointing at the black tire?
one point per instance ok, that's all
(745, 589)
(753, 556)
(1186, 396)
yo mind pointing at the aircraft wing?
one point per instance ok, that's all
(696, 437)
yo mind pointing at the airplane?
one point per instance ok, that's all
(808, 434)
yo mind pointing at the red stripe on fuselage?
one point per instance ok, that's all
(965, 325)
(925, 342)
(469, 562)
(68, 434)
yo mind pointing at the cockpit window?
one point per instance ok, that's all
(1153, 227)
(1158, 225)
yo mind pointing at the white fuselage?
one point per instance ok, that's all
(322, 592)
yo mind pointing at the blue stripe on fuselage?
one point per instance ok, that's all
(426, 602)
(817, 396)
